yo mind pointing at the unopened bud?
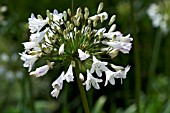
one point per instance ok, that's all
(65, 15)
(86, 14)
(100, 7)
(112, 19)
(89, 21)
(48, 13)
(113, 53)
(117, 68)
(94, 23)
(81, 77)
(71, 26)
(78, 12)
(69, 11)
(68, 23)
(112, 28)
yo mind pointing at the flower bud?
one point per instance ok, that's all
(86, 14)
(112, 19)
(94, 23)
(61, 49)
(81, 77)
(48, 13)
(113, 53)
(112, 28)
(100, 7)
(65, 15)
(78, 12)
(69, 11)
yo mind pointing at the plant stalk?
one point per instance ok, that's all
(82, 91)
(136, 57)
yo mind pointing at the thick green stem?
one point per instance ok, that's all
(82, 91)
(136, 57)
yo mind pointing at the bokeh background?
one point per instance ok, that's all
(145, 90)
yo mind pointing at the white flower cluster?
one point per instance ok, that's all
(159, 19)
(64, 39)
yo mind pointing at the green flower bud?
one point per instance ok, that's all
(86, 14)
(69, 11)
(94, 23)
(65, 15)
(100, 7)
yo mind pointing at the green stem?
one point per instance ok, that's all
(82, 91)
(136, 58)
(154, 59)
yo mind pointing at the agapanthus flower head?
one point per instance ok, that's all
(159, 14)
(76, 41)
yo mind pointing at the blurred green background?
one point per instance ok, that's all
(145, 90)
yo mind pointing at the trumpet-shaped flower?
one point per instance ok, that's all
(124, 47)
(41, 70)
(36, 24)
(55, 92)
(110, 76)
(122, 73)
(82, 55)
(37, 37)
(69, 74)
(57, 16)
(29, 60)
(92, 81)
(98, 66)
(29, 45)
(58, 83)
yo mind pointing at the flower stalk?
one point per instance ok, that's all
(82, 91)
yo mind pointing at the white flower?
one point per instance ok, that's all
(61, 49)
(122, 73)
(55, 93)
(111, 35)
(91, 80)
(29, 60)
(37, 37)
(58, 83)
(101, 16)
(153, 10)
(117, 68)
(29, 45)
(126, 38)
(101, 30)
(36, 24)
(82, 55)
(98, 66)
(57, 16)
(110, 77)
(41, 70)
(69, 75)
(124, 47)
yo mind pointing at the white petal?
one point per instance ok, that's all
(55, 93)
(82, 55)
(69, 75)
(98, 72)
(58, 83)
(61, 49)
